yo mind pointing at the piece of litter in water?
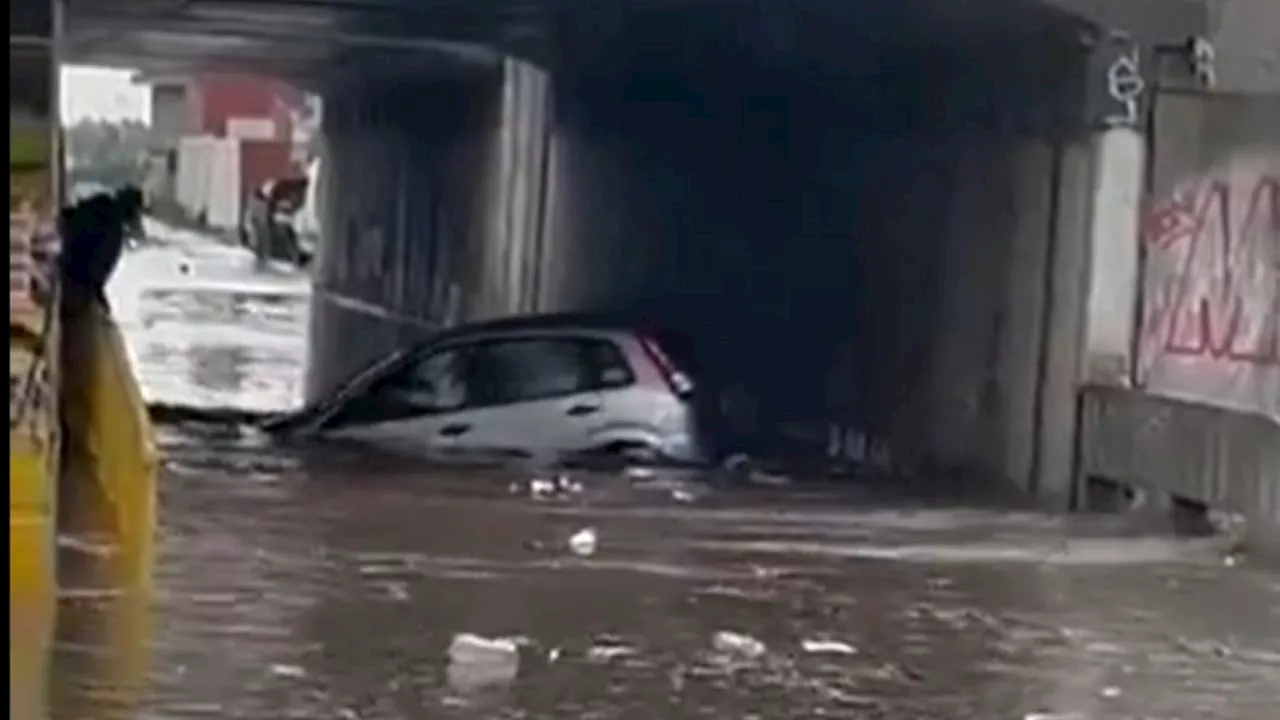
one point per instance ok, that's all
(1053, 716)
(583, 542)
(542, 487)
(465, 645)
(566, 484)
(1110, 692)
(477, 662)
(681, 495)
(603, 653)
(288, 671)
(732, 643)
(828, 647)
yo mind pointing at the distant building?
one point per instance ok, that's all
(269, 122)
(223, 106)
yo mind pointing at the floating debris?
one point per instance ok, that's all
(548, 488)
(732, 643)
(542, 487)
(828, 647)
(605, 652)
(583, 543)
(683, 496)
(477, 662)
(288, 671)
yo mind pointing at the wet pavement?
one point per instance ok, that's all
(206, 328)
(324, 583)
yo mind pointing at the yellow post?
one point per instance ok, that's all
(107, 513)
(33, 344)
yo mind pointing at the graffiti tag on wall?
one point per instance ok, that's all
(1117, 94)
(1125, 87)
(1211, 321)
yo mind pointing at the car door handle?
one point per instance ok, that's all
(580, 410)
(455, 429)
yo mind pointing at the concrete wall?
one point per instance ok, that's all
(1211, 239)
(170, 114)
(902, 220)
(1194, 451)
(1243, 33)
(402, 213)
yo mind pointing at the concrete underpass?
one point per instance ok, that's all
(905, 212)
(954, 226)
(862, 202)
(875, 192)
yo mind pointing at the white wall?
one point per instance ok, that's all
(208, 181)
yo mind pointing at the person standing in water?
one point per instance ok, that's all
(95, 231)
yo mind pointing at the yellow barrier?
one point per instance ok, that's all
(107, 510)
(33, 453)
(32, 581)
(103, 504)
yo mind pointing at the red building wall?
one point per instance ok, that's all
(261, 161)
(215, 99)
(218, 98)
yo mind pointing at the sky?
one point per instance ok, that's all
(102, 93)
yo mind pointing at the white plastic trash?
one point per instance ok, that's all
(479, 663)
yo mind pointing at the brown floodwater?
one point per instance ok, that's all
(326, 582)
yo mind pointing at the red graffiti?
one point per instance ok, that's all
(1214, 266)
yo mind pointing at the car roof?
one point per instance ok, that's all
(591, 322)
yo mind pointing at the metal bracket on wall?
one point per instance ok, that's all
(1197, 56)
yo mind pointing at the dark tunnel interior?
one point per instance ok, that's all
(791, 185)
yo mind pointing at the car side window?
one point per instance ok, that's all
(606, 365)
(435, 383)
(524, 369)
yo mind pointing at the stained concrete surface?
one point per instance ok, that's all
(326, 583)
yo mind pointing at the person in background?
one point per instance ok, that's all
(94, 233)
(269, 231)
(257, 225)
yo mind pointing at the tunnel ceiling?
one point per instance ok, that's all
(300, 38)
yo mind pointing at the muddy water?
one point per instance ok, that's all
(325, 583)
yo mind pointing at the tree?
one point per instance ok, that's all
(106, 153)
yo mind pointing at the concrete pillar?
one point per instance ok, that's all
(1067, 283)
(431, 210)
(1119, 158)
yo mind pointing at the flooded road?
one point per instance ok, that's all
(205, 328)
(322, 583)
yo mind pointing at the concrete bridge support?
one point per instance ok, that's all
(904, 227)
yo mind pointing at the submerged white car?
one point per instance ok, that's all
(551, 386)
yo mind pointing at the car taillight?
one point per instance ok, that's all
(676, 381)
